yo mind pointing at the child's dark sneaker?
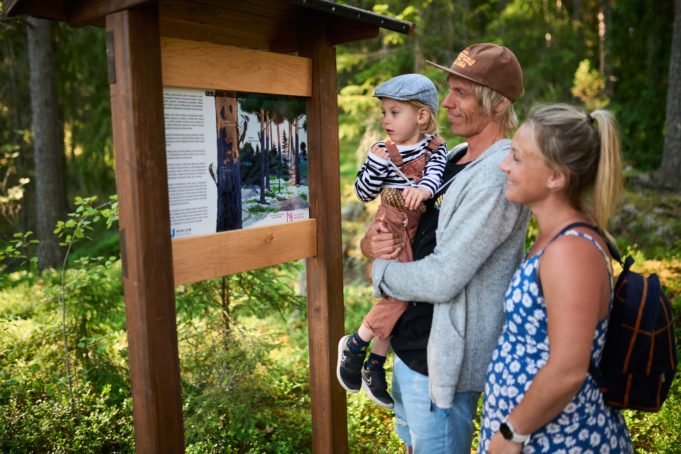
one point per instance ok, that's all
(349, 367)
(376, 387)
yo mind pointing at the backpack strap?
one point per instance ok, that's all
(614, 253)
(594, 371)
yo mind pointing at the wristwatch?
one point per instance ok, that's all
(509, 433)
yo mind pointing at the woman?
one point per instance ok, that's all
(540, 398)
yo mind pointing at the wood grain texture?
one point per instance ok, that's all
(210, 256)
(193, 64)
(144, 223)
(325, 270)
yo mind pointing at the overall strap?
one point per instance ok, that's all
(394, 153)
(435, 143)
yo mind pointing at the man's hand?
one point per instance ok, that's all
(380, 243)
(414, 196)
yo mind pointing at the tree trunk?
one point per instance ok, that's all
(229, 173)
(297, 152)
(263, 158)
(604, 33)
(268, 151)
(669, 172)
(48, 143)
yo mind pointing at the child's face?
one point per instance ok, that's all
(401, 121)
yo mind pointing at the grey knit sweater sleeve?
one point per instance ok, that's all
(474, 220)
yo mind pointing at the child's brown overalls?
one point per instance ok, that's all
(402, 222)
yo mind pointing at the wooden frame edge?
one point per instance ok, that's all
(203, 65)
(209, 256)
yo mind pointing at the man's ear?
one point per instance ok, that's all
(501, 105)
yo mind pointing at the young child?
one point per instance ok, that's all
(405, 169)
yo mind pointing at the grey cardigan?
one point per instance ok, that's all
(480, 243)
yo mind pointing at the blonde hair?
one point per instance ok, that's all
(587, 149)
(431, 127)
(488, 100)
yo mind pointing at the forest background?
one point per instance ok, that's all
(64, 384)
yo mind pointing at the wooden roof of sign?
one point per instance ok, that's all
(272, 25)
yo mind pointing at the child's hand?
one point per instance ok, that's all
(379, 152)
(414, 196)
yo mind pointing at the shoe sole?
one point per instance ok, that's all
(341, 342)
(373, 398)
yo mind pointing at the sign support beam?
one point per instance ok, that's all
(134, 51)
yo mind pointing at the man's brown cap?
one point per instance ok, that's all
(490, 65)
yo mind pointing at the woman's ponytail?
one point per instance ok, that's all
(608, 186)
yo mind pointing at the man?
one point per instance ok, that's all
(468, 245)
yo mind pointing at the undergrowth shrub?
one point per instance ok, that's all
(237, 399)
(94, 423)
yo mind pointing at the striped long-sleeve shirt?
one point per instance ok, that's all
(377, 173)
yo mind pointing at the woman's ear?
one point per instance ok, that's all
(557, 180)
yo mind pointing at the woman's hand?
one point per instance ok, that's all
(380, 243)
(499, 445)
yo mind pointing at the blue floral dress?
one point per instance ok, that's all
(586, 425)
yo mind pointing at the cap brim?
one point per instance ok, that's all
(451, 71)
(439, 66)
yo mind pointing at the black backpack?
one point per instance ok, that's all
(639, 359)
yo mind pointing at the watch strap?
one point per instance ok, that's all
(515, 437)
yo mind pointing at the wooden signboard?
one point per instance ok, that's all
(190, 64)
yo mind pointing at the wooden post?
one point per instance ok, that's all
(134, 53)
(325, 270)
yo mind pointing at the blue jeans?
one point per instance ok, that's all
(424, 426)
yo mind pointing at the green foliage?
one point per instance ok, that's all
(640, 46)
(557, 44)
(12, 187)
(238, 399)
(370, 428)
(96, 424)
(82, 221)
(259, 293)
(64, 355)
(658, 432)
(36, 411)
(17, 254)
(589, 86)
(548, 43)
(649, 221)
(84, 98)
(15, 119)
